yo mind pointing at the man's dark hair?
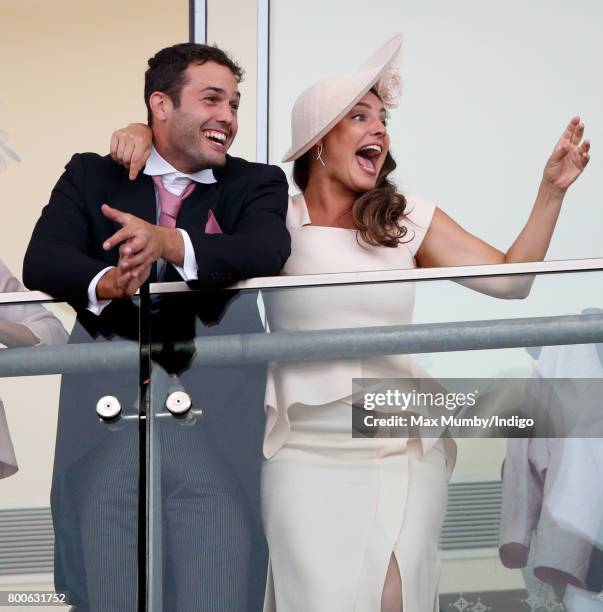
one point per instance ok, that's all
(166, 69)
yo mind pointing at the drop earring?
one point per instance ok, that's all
(319, 155)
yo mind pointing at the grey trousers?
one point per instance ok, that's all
(214, 552)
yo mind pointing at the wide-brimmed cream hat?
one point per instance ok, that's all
(320, 107)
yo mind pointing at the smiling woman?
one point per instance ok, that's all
(359, 529)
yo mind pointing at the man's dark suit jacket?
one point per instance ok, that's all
(249, 201)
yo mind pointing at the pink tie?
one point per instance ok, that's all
(170, 203)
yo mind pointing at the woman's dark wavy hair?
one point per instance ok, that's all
(377, 213)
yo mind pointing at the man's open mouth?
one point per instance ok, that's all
(218, 139)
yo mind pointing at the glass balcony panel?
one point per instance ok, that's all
(332, 496)
(69, 458)
(205, 441)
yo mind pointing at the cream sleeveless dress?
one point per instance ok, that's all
(335, 507)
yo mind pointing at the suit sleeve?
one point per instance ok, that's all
(260, 243)
(58, 259)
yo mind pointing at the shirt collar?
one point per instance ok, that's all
(156, 165)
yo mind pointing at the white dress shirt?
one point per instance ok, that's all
(175, 182)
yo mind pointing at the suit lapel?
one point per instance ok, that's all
(137, 197)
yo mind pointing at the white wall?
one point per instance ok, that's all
(232, 26)
(488, 89)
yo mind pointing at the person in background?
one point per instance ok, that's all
(21, 325)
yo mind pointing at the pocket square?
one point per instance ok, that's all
(212, 226)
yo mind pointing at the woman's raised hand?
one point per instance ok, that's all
(131, 147)
(569, 158)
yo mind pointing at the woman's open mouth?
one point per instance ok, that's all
(367, 157)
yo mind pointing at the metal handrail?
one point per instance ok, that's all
(354, 278)
(317, 345)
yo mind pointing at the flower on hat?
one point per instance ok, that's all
(389, 87)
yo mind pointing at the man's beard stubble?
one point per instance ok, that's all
(186, 145)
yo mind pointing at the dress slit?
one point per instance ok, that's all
(402, 602)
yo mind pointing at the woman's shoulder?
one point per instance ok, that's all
(418, 211)
(417, 218)
(297, 211)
